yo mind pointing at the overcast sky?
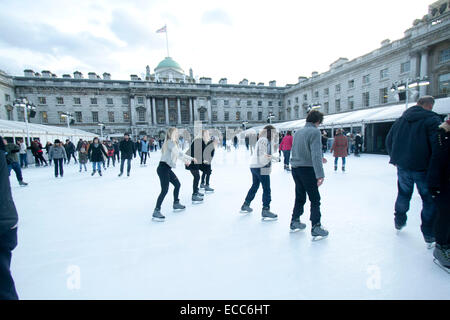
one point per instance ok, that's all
(257, 40)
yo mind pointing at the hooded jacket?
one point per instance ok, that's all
(8, 212)
(410, 140)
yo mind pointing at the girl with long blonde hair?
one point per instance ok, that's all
(170, 153)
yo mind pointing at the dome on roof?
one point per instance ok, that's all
(168, 63)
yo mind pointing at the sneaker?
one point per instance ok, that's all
(246, 208)
(178, 206)
(296, 225)
(208, 189)
(23, 183)
(318, 233)
(157, 216)
(267, 215)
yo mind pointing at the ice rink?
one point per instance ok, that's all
(84, 237)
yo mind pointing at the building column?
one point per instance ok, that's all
(148, 109)
(166, 100)
(132, 110)
(195, 110)
(191, 118)
(179, 111)
(209, 111)
(423, 70)
(154, 111)
(414, 62)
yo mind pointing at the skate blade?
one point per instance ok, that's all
(441, 266)
(318, 238)
(158, 219)
(245, 212)
(178, 210)
(296, 230)
(197, 202)
(269, 219)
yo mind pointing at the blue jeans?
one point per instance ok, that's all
(406, 180)
(16, 167)
(23, 160)
(287, 155)
(98, 164)
(258, 179)
(336, 161)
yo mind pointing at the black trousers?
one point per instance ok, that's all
(69, 155)
(196, 174)
(166, 175)
(116, 154)
(442, 223)
(206, 174)
(8, 241)
(122, 162)
(59, 167)
(306, 183)
(144, 157)
(113, 160)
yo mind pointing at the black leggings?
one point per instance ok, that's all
(166, 175)
(196, 174)
(206, 174)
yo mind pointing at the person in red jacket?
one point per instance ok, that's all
(286, 146)
(339, 149)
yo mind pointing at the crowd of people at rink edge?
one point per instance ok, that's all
(417, 144)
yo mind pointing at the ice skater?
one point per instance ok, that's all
(170, 153)
(12, 159)
(439, 184)
(339, 149)
(206, 166)
(58, 154)
(82, 156)
(127, 150)
(261, 167)
(144, 149)
(285, 147)
(307, 172)
(95, 154)
(196, 151)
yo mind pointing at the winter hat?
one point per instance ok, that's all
(57, 141)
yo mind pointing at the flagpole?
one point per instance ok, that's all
(167, 42)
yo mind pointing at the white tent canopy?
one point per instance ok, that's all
(45, 133)
(358, 117)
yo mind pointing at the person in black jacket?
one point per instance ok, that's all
(439, 184)
(8, 230)
(127, 149)
(409, 144)
(116, 150)
(95, 154)
(196, 151)
(358, 144)
(70, 150)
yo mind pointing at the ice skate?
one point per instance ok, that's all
(93, 172)
(398, 225)
(318, 233)
(343, 169)
(246, 208)
(100, 173)
(441, 256)
(177, 206)
(267, 215)
(128, 174)
(120, 174)
(202, 186)
(196, 199)
(296, 225)
(157, 216)
(208, 189)
(23, 184)
(430, 241)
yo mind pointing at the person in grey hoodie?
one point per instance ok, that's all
(307, 170)
(58, 154)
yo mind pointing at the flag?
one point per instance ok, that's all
(163, 29)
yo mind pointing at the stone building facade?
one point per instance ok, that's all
(170, 97)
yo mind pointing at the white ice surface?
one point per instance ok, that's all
(102, 225)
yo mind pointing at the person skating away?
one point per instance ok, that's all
(409, 144)
(307, 171)
(12, 159)
(144, 150)
(127, 151)
(439, 184)
(170, 153)
(95, 154)
(196, 151)
(8, 230)
(110, 153)
(339, 149)
(23, 154)
(324, 141)
(70, 150)
(58, 154)
(48, 145)
(83, 157)
(261, 167)
(358, 144)
(116, 150)
(207, 170)
(235, 142)
(285, 147)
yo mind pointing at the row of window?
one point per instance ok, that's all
(77, 101)
(249, 103)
